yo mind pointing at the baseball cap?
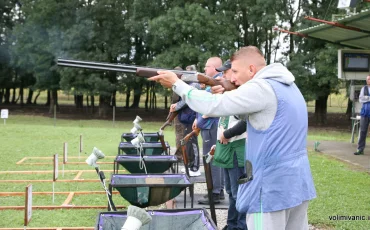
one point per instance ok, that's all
(225, 66)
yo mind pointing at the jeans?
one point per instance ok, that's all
(364, 125)
(235, 220)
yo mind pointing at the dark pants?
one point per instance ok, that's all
(209, 137)
(192, 149)
(364, 125)
(235, 219)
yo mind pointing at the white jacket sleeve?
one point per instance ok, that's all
(251, 97)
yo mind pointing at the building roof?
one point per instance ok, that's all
(356, 33)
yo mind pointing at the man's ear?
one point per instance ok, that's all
(252, 70)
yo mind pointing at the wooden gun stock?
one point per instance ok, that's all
(169, 119)
(228, 85)
(183, 143)
(195, 132)
(161, 139)
(212, 152)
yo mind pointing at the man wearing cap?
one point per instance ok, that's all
(229, 155)
(208, 130)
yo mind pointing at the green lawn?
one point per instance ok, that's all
(340, 190)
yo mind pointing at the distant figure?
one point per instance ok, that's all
(208, 130)
(185, 118)
(365, 117)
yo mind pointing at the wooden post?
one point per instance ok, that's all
(28, 206)
(80, 146)
(65, 157)
(55, 174)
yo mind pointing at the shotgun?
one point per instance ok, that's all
(187, 76)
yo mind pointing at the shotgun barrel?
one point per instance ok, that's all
(187, 76)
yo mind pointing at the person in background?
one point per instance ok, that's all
(229, 155)
(179, 127)
(365, 117)
(208, 130)
(186, 117)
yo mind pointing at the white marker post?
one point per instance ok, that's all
(28, 206)
(79, 153)
(4, 115)
(65, 152)
(55, 174)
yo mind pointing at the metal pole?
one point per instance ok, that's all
(114, 114)
(53, 192)
(55, 114)
(336, 24)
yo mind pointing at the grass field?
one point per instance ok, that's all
(340, 190)
(337, 103)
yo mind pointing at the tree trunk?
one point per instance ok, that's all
(48, 99)
(153, 104)
(53, 101)
(137, 94)
(245, 28)
(165, 102)
(349, 108)
(104, 106)
(92, 104)
(13, 96)
(147, 96)
(29, 97)
(128, 94)
(1, 96)
(321, 110)
(21, 92)
(7, 96)
(37, 96)
(114, 94)
(79, 101)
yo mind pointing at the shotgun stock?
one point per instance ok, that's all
(195, 132)
(161, 139)
(168, 122)
(183, 143)
(187, 76)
